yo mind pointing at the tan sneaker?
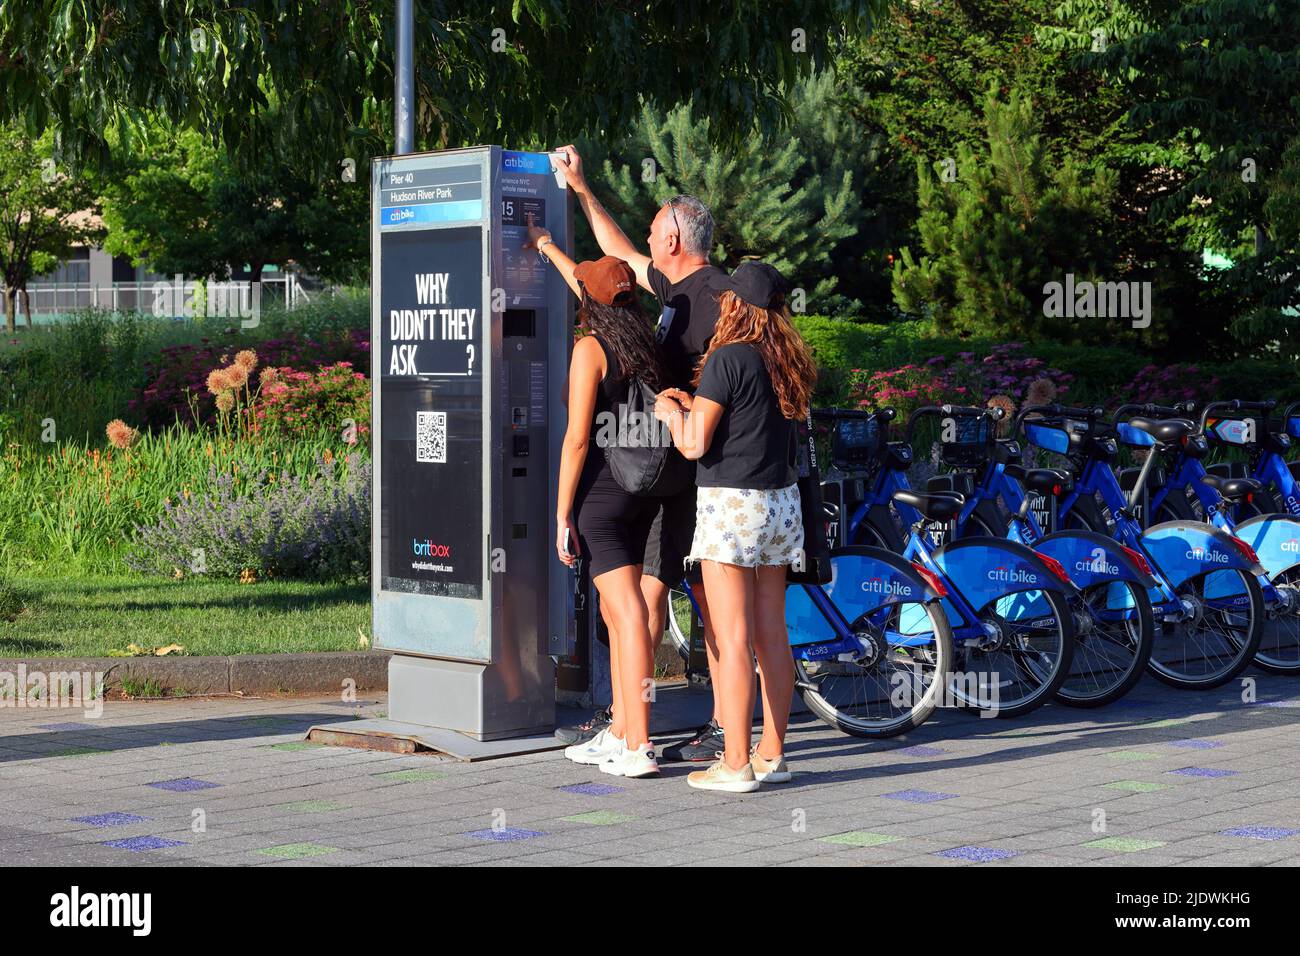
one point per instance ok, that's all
(721, 777)
(769, 771)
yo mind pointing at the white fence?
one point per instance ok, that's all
(49, 301)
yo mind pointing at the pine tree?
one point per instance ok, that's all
(996, 225)
(797, 201)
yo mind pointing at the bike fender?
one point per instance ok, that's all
(984, 569)
(863, 580)
(1184, 549)
(1275, 538)
(1090, 558)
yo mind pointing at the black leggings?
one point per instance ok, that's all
(612, 525)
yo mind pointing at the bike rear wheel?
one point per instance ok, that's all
(1218, 635)
(889, 698)
(1114, 634)
(1026, 658)
(894, 676)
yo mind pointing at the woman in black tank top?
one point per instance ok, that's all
(595, 518)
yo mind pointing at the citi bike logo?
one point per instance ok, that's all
(1012, 576)
(881, 586)
(1292, 546)
(1097, 564)
(1212, 557)
(427, 549)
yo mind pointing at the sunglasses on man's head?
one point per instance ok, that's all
(676, 222)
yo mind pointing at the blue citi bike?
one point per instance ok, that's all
(1008, 606)
(1114, 623)
(977, 623)
(1186, 488)
(1207, 597)
(1111, 614)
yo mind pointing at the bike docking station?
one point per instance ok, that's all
(470, 340)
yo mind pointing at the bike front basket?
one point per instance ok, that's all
(856, 443)
(972, 438)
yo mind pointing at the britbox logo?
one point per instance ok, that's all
(103, 909)
(427, 549)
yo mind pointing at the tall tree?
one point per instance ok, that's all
(181, 206)
(927, 69)
(516, 71)
(997, 225)
(792, 200)
(44, 211)
(1219, 81)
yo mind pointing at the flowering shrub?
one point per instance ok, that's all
(1170, 384)
(178, 380)
(905, 388)
(316, 528)
(311, 402)
(1008, 374)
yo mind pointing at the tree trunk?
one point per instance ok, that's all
(27, 305)
(11, 305)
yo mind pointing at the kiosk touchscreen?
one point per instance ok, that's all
(470, 342)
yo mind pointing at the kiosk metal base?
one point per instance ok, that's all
(394, 737)
(679, 707)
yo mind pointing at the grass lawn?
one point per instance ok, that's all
(91, 616)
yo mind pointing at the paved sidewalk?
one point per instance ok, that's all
(1161, 778)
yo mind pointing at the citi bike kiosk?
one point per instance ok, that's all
(470, 338)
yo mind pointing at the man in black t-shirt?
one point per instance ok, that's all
(678, 272)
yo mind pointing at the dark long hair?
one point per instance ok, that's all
(625, 332)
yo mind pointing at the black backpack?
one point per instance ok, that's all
(643, 459)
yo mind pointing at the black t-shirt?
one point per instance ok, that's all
(689, 311)
(754, 445)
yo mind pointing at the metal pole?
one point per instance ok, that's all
(404, 79)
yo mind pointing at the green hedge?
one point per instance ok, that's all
(1101, 374)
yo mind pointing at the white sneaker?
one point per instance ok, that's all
(595, 750)
(631, 763)
(769, 771)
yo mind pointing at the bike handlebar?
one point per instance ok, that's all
(885, 414)
(1182, 409)
(1232, 405)
(1068, 411)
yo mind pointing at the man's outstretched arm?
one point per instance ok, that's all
(613, 241)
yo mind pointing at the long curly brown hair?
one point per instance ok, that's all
(626, 332)
(786, 356)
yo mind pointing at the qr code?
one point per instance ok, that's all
(431, 437)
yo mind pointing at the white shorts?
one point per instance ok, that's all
(747, 526)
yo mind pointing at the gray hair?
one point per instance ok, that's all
(695, 223)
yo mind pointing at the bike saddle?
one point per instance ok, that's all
(1232, 489)
(1164, 430)
(1046, 481)
(937, 506)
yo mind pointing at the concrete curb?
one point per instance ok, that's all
(321, 673)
